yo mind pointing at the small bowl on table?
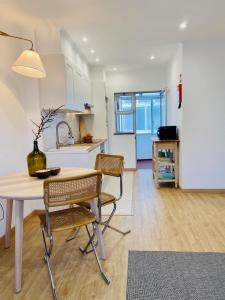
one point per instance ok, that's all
(43, 174)
(54, 171)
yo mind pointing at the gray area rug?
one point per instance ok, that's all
(175, 276)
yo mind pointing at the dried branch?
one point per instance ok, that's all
(46, 117)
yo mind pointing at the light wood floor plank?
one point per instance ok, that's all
(164, 219)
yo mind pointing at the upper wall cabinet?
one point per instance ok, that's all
(64, 85)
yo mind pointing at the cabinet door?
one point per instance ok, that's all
(79, 103)
(87, 90)
(70, 87)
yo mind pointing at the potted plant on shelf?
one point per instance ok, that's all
(36, 160)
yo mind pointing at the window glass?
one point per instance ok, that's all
(150, 108)
(148, 118)
(140, 118)
(163, 107)
(124, 103)
(156, 115)
(124, 123)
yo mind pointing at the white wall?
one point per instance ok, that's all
(174, 69)
(148, 79)
(203, 134)
(19, 104)
(174, 115)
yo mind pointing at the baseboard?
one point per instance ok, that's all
(130, 169)
(214, 191)
(26, 219)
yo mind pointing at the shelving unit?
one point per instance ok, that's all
(165, 164)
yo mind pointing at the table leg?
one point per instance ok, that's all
(18, 243)
(9, 207)
(98, 231)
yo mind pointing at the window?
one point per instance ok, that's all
(140, 112)
(124, 111)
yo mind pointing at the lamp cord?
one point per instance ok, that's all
(3, 215)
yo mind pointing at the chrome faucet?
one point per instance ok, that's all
(70, 133)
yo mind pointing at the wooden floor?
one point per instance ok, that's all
(144, 164)
(165, 219)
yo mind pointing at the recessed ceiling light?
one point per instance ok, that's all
(115, 69)
(183, 25)
(152, 57)
(84, 39)
(92, 51)
(97, 59)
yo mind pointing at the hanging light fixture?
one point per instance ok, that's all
(29, 62)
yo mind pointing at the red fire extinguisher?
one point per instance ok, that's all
(179, 88)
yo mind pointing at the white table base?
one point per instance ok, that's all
(19, 243)
(9, 208)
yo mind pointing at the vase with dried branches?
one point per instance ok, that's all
(36, 160)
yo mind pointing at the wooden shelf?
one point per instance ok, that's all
(164, 163)
(171, 147)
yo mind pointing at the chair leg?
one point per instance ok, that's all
(104, 276)
(47, 259)
(106, 224)
(104, 229)
(117, 230)
(72, 237)
(84, 250)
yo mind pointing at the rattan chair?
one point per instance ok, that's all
(109, 165)
(69, 191)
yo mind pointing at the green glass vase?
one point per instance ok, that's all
(36, 160)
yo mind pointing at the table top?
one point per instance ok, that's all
(21, 186)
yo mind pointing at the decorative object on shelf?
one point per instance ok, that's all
(29, 62)
(180, 96)
(36, 160)
(88, 138)
(88, 107)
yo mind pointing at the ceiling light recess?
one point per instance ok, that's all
(183, 25)
(152, 57)
(97, 59)
(84, 39)
(92, 51)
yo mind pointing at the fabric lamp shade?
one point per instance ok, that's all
(29, 64)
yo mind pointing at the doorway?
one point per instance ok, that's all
(140, 113)
(150, 114)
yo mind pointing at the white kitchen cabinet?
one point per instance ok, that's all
(79, 160)
(82, 89)
(64, 85)
(69, 86)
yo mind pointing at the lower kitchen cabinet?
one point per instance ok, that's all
(68, 159)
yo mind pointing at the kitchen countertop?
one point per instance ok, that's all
(77, 148)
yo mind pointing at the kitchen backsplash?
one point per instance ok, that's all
(49, 135)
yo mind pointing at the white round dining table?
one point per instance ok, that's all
(21, 187)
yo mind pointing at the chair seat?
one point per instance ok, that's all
(105, 198)
(68, 218)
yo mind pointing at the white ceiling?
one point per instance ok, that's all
(124, 33)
